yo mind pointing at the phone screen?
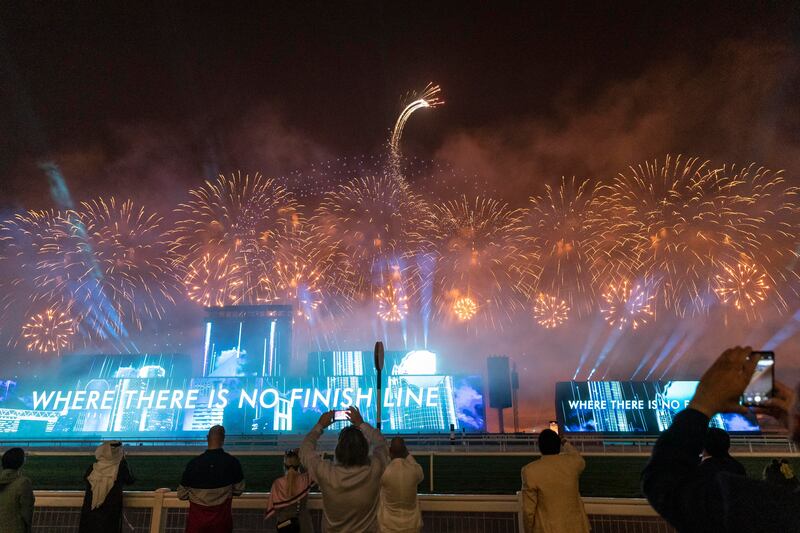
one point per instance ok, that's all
(761, 384)
(339, 416)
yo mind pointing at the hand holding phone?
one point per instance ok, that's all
(762, 383)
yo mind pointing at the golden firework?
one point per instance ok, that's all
(626, 304)
(48, 332)
(744, 286)
(465, 308)
(550, 311)
(392, 303)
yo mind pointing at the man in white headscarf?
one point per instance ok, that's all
(102, 504)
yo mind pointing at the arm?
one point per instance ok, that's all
(417, 468)
(572, 452)
(184, 489)
(309, 457)
(529, 502)
(380, 450)
(671, 480)
(125, 474)
(238, 485)
(26, 500)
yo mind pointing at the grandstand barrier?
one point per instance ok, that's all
(161, 511)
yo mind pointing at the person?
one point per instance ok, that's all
(780, 472)
(288, 497)
(716, 454)
(210, 482)
(551, 499)
(691, 501)
(398, 511)
(350, 486)
(16, 494)
(105, 479)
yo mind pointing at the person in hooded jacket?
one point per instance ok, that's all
(105, 479)
(16, 494)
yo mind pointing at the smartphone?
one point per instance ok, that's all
(763, 381)
(339, 416)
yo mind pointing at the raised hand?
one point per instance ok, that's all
(723, 383)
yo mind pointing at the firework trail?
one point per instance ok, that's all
(50, 331)
(626, 304)
(429, 97)
(479, 251)
(392, 301)
(369, 224)
(239, 221)
(571, 233)
(679, 221)
(550, 311)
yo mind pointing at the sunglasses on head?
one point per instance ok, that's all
(290, 453)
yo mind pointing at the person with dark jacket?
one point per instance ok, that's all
(692, 501)
(16, 494)
(105, 479)
(716, 456)
(210, 482)
(780, 472)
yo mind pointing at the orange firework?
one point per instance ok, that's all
(626, 304)
(50, 331)
(743, 286)
(392, 303)
(550, 311)
(465, 308)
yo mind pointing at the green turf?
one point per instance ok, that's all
(473, 474)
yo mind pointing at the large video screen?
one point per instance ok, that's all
(131, 400)
(646, 407)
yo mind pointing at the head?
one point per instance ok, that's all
(291, 461)
(13, 459)
(549, 442)
(109, 451)
(717, 442)
(397, 448)
(352, 448)
(216, 437)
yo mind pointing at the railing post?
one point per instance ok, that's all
(520, 514)
(430, 473)
(158, 518)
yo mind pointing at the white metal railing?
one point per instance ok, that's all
(161, 501)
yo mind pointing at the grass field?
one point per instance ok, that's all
(605, 476)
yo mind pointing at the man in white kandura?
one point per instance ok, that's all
(399, 509)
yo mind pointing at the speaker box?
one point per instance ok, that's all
(499, 382)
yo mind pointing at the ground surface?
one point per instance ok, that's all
(604, 476)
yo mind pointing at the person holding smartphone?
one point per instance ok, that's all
(689, 499)
(350, 486)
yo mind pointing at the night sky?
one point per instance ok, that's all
(123, 96)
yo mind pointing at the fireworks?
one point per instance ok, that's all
(124, 252)
(48, 332)
(680, 222)
(369, 223)
(570, 234)
(478, 245)
(743, 286)
(550, 311)
(243, 220)
(392, 303)
(625, 304)
(214, 280)
(428, 98)
(465, 308)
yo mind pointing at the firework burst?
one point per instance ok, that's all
(570, 233)
(242, 219)
(465, 308)
(678, 220)
(50, 331)
(478, 246)
(369, 223)
(625, 304)
(550, 311)
(744, 286)
(392, 303)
